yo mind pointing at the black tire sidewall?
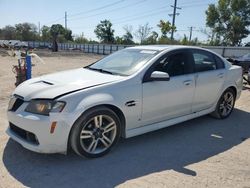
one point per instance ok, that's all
(219, 102)
(79, 124)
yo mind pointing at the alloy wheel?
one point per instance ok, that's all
(98, 134)
(227, 103)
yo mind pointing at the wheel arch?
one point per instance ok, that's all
(231, 87)
(114, 108)
(234, 89)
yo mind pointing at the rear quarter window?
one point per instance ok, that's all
(219, 63)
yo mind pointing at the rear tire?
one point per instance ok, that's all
(225, 104)
(95, 133)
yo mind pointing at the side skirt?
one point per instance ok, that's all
(167, 123)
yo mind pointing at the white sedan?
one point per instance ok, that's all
(128, 93)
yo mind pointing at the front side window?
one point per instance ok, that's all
(174, 64)
(204, 61)
(125, 62)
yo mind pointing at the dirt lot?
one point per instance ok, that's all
(199, 153)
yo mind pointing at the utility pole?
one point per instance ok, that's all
(39, 29)
(65, 17)
(173, 21)
(191, 33)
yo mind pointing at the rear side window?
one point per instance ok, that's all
(219, 63)
(204, 61)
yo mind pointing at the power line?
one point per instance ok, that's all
(136, 16)
(54, 21)
(112, 10)
(95, 9)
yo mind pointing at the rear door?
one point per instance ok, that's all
(210, 76)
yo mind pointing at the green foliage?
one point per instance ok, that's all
(118, 40)
(56, 29)
(229, 21)
(68, 35)
(45, 33)
(81, 39)
(8, 33)
(104, 32)
(165, 27)
(185, 41)
(152, 39)
(128, 37)
(26, 31)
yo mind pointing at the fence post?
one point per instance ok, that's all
(103, 50)
(117, 48)
(97, 48)
(223, 51)
(110, 49)
(88, 48)
(93, 48)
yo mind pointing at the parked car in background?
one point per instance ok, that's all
(244, 62)
(128, 93)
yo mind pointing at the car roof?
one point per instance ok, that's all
(162, 47)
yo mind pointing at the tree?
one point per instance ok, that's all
(165, 27)
(26, 31)
(185, 41)
(81, 39)
(119, 40)
(128, 37)
(46, 36)
(229, 20)
(8, 33)
(104, 32)
(152, 39)
(143, 32)
(68, 35)
(55, 31)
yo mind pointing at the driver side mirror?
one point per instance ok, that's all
(159, 76)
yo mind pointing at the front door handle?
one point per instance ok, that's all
(187, 82)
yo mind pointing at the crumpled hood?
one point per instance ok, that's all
(56, 84)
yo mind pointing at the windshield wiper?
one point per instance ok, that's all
(100, 70)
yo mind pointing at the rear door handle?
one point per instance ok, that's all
(187, 82)
(221, 75)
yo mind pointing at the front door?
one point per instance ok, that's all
(164, 100)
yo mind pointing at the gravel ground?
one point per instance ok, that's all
(203, 152)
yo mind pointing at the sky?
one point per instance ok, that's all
(84, 15)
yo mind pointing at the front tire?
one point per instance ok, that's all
(225, 104)
(96, 132)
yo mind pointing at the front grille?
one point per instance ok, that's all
(17, 104)
(26, 135)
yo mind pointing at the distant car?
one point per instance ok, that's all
(243, 61)
(128, 93)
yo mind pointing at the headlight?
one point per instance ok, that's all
(44, 107)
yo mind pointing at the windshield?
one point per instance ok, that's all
(125, 62)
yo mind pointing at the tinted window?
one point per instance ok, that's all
(219, 63)
(204, 61)
(174, 64)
